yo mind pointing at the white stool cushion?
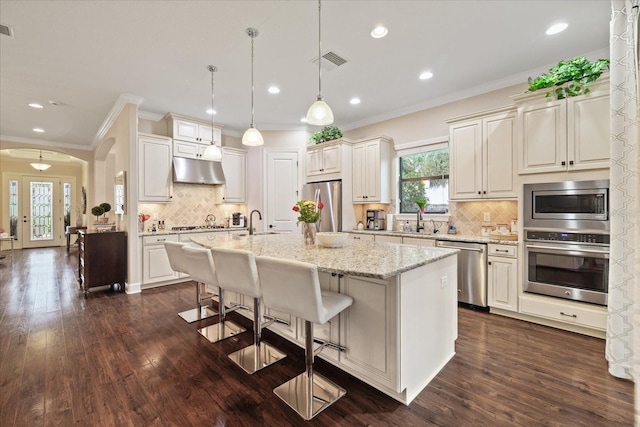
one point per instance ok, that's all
(237, 270)
(200, 265)
(177, 259)
(293, 287)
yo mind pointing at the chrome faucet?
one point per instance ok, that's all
(418, 218)
(251, 230)
(435, 227)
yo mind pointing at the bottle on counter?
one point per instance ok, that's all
(360, 225)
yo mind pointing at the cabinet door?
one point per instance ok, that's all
(154, 175)
(371, 178)
(588, 131)
(190, 150)
(367, 237)
(234, 164)
(185, 131)
(465, 160)
(314, 162)
(358, 171)
(502, 278)
(542, 137)
(499, 136)
(156, 266)
(331, 159)
(205, 134)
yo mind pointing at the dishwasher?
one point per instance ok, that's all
(472, 272)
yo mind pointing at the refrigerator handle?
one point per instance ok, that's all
(316, 199)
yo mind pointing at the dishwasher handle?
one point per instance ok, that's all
(462, 249)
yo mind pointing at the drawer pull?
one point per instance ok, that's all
(161, 240)
(356, 238)
(575, 316)
(506, 251)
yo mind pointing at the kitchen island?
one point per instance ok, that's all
(401, 329)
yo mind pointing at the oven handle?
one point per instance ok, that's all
(555, 250)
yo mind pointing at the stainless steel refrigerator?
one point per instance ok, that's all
(330, 194)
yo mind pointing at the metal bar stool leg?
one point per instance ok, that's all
(201, 311)
(259, 355)
(308, 394)
(223, 329)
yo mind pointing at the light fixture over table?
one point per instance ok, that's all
(252, 136)
(40, 165)
(212, 152)
(319, 113)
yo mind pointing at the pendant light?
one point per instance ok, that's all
(40, 165)
(212, 152)
(319, 113)
(252, 136)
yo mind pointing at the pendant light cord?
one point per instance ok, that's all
(252, 33)
(319, 53)
(213, 69)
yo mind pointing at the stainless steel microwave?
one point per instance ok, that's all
(567, 205)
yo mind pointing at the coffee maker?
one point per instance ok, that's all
(375, 219)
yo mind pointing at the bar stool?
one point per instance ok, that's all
(294, 287)
(237, 270)
(201, 268)
(179, 264)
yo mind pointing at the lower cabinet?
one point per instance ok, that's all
(388, 239)
(578, 314)
(155, 262)
(368, 237)
(419, 241)
(502, 277)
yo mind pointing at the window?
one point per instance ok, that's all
(425, 175)
(66, 189)
(13, 208)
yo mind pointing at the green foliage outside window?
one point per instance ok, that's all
(419, 173)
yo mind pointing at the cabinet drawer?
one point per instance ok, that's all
(502, 250)
(158, 240)
(368, 237)
(569, 313)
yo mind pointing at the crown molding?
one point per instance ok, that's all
(117, 108)
(42, 142)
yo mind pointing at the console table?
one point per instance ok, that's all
(69, 231)
(102, 259)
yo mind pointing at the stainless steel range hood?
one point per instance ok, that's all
(193, 171)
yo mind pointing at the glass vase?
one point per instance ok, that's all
(309, 230)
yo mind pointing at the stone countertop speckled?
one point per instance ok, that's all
(439, 236)
(357, 258)
(195, 230)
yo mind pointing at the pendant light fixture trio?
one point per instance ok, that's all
(212, 152)
(252, 136)
(319, 113)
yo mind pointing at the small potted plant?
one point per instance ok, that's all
(107, 208)
(570, 77)
(422, 203)
(97, 211)
(328, 133)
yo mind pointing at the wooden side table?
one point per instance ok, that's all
(69, 231)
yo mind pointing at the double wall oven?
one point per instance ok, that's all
(566, 233)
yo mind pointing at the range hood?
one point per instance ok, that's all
(194, 171)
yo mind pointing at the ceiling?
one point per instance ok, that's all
(83, 56)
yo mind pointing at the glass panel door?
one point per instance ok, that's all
(42, 219)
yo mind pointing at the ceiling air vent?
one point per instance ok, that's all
(6, 30)
(330, 61)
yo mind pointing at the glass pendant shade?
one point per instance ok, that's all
(252, 137)
(40, 165)
(319, 114)
(212, 153)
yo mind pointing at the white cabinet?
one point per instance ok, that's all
(155, 261)
(155, 183)
(482, 156)
(502, 277)
(190, 150)
(419, 242)
(192, 130)
(564, 135)
(367, 237)
(324, 161)
(568, 312)
(372, 170)
(388, 239)
(234, 164)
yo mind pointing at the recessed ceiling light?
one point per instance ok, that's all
(303, 120)
(379, 32)
(426, 75)
(273, 89)
(354, 101)
(35, 105)
(211, 112)
(39, 130)
(556, 28)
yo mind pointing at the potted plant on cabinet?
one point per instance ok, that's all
(328, 133)
(570, 77)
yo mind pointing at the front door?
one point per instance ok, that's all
(42, 215)
(282, 190)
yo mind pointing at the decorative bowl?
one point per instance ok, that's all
(332, 239)
(102, 227)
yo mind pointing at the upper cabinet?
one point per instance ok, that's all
(234, 164)
(190, 150)
(187, 129)
(564, 135)
(482, 155)
(155, 183)
(372, 170)
(327, 161)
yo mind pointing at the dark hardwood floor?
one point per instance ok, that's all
(129, 360)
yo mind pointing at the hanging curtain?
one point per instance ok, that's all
(623, 324)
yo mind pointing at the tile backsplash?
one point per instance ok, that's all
(191, 205)
(468, 217)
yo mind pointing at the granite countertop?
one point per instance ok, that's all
(195, 230)
(438, 236)
(358, 258)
